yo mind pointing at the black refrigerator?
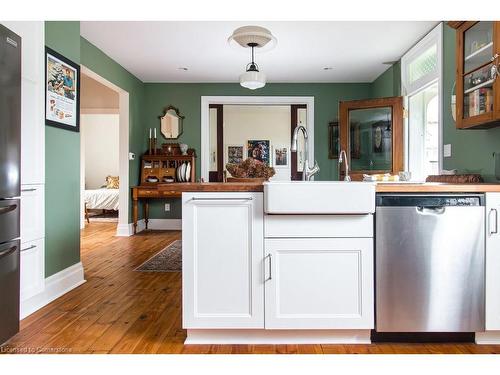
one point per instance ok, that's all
(10, 163)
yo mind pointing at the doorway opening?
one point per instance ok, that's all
(236, 128)
(104, 171)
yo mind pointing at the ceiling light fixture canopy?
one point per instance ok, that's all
(258, 36)
(252, 78)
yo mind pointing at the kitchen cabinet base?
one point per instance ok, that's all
(488, 338)
(277, 336)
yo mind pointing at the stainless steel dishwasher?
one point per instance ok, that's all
(430, 254)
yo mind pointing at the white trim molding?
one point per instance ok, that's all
(277, 336)
(55, 286)
(488, 338)
(249, 100)
(124, 113)
(153, 224)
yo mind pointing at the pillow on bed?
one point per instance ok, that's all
(112, 182)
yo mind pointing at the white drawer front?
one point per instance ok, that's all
(32, 212)
(32, 268)
(331, 226)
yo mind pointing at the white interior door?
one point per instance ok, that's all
(319, 283)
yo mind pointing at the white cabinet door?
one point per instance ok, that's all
(32, 268)
(321, 283)
(32, 212)
(32, 99)
(492, 261)
(222, 253)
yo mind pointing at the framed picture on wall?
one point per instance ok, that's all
(62, 91)
(235, 154)
(333, 140)
(259, 150)
(281, 156)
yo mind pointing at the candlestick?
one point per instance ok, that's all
(149, 133)
(155, 133)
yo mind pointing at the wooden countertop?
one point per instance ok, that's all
(381, 187)
(434, 187)
(211, 187)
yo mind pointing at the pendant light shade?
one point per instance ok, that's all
(253, 80)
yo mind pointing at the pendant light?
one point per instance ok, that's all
(253, 37)
(252, 79)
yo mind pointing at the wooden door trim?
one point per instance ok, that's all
(218, 176)
(396, 103)
(294, 173)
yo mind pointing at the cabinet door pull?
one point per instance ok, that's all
(27, 190)
(28, 248)
(270, 269)
(495, 231)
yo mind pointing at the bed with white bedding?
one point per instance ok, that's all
(102, 199)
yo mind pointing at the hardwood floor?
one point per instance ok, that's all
(119, 310)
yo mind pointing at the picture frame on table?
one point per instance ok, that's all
(62, 91)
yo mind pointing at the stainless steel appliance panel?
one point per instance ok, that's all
(10, 113)
(9, 290)
(430, 269)
(9, 219)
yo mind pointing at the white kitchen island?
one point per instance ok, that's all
(291, 277)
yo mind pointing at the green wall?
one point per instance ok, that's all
(388, 83)
(94, 59)
(62, 169)
(62, 155)
(472, 150)
(187, 97)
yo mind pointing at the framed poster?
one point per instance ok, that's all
(259, 150)
(235, 154)
(281, 156)
(62, 91)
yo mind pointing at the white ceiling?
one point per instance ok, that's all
(154, 50)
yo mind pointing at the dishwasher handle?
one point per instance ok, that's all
(423, 210)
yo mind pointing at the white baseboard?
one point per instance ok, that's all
(55, 286)
(126, 230)
(165, 224)
(488, 337)
(276, 337)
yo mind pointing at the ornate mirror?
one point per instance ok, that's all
(171, 123)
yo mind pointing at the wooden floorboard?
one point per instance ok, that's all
(119, 310)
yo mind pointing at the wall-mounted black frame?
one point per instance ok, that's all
(61, 100)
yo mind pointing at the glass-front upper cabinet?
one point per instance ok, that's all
(477, 72)
(371, 133)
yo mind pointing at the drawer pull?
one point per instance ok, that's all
(27, 190)
(28, 248)
(222, 199)
(9, 208)
(8, 251)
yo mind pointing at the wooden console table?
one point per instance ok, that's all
(175, 190)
